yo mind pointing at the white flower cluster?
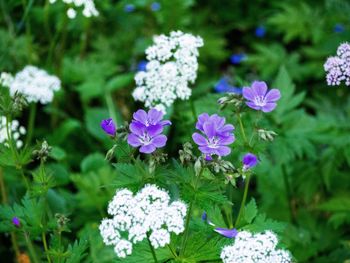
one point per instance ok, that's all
(338, 67)
(147, 214)
(15, 132)
(6, 79)
(89, 8)
(172, 66)
(253, 248)
(34, 83)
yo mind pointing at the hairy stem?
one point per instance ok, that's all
(31, 248)
(189, 215)
(31, 122)
(110, 106)
(45, 247)
(241, 209)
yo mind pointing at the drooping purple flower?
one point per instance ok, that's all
(16, 222)
(223, 86)
(229, 233)
(206, 219)
(146, 130)
(259, 98)
(238, 58)
(338, 67)
(260, 31)
(215, 135)
(249, 161)
(109, 126)
(155, 6)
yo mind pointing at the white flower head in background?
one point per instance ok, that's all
(15, 131)
(88, 6)
(148, 214)
(6, 79)
(255, 248)
(171, 68)
(35, 84)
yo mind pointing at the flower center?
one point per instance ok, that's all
(145, 139)
(213, 142)
(260, 101)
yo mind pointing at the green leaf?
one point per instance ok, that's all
(119, 82)
(92, 162)
(250, 211)
(58, 153)
(261, 223)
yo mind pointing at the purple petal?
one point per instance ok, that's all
(269, 107)
(273, 95)
(133, 140)
(259, 87)
(147, 148)
(16, 222)
(209, 129)
(226, 140)
(159, 141)
(201, 119)
(253, 105)
(154, 130)
(207, 150)
(199, 139)
(230, 233)
(154, 116)
(140, 116)
(137, 127)
(228, 128)
(219, 121)
(165, 123)
(223, 150)
(248, 93)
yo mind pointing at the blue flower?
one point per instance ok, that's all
(339, 28)
(129, 8)
(141, 66)
(155, 6)
(223, 86)
(238, 58)
(260, 31)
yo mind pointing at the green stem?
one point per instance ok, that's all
(241, 209)
(193, 109)
(4, 201)
(289, 196)
(189, 215)
(31, 122)
(46, 19)
(110, 106)
(31, 248)
(15, 153)
(45, 247)
(7, 18)
(172, 251)
(152, 249)
(242, 129)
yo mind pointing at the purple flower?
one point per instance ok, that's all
(141, 66)
(238, 58)
(16, 221)
(258, 97)
(146, 129)
(206, 219)
(260, 31)
(129, 8)
(249, 161)
(155, 6)
(339, 28)
(223, 86)
(215, 135)
(230, 233)
(109, 127)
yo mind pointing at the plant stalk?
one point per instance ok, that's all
(241, 209)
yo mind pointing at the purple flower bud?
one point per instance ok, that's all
(230, 233)
(249, 161)
(204, 216)
(16, 221)
(109, 127)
